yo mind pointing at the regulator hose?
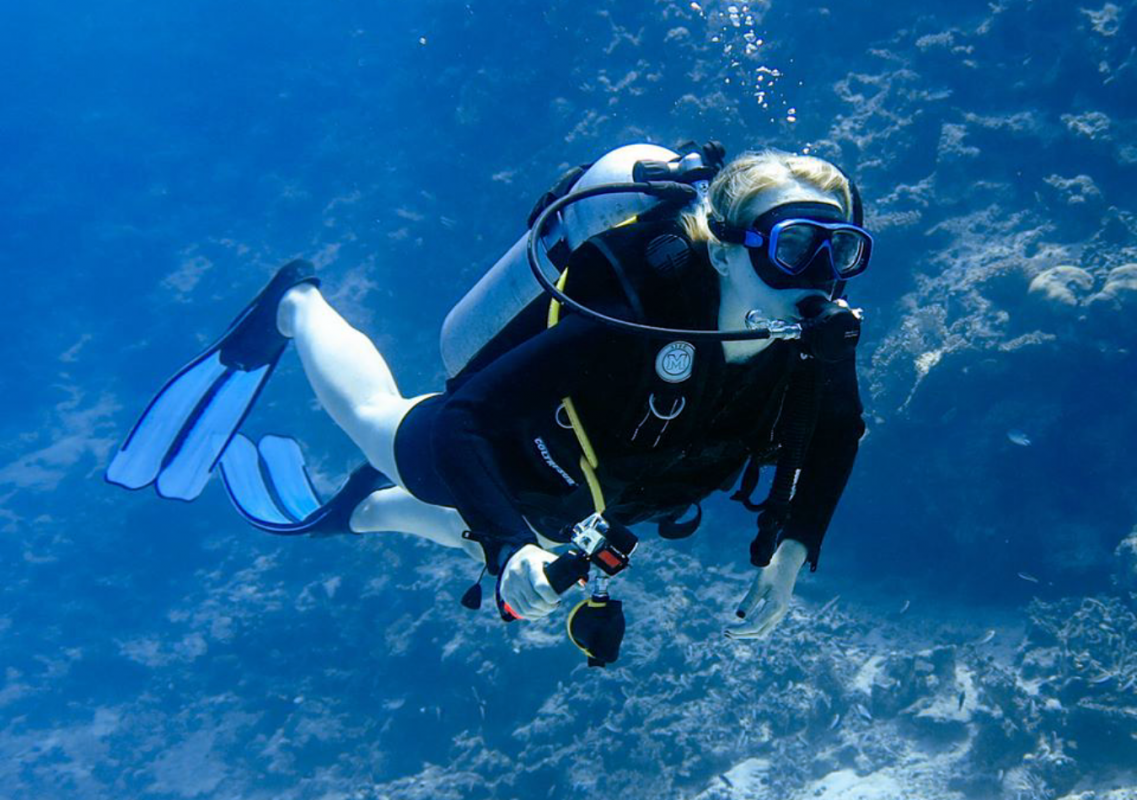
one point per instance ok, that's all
(668, 191)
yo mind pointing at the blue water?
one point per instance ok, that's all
(160, 159)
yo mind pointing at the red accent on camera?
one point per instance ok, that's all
(609, 558)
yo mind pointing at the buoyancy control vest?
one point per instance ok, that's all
(685, 422)
(507, 306)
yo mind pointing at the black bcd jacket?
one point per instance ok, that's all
(670, 421)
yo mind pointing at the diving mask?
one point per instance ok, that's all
(800, 245)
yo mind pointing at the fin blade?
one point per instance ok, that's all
(139, 461)
(284, 462)
(270, 487)
(247, 488)
(208, 434)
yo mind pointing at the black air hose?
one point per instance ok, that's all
(795, 431)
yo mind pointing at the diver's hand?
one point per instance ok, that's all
(522, 586)
(769, 597)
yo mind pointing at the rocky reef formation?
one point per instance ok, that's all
(845, 703)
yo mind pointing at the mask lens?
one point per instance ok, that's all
(796, 246)
(848, 248)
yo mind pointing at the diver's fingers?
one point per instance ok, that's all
(760, 623)
(530, 605)
(521, 580)
(513, 595)
(770, 620)
(538, 605)
(759, 591)
(541, 583)
(745, 630)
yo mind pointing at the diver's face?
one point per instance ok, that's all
(763, 285)
(755, 293)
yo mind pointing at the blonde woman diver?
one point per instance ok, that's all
(494, 466)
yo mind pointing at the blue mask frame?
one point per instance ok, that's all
(767, 242)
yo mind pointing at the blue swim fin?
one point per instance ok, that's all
(270, 487)
(182, 434)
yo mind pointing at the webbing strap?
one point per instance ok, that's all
(588, 460)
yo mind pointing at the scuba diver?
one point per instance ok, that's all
(668, 325)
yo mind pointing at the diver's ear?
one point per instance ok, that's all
(717, 253)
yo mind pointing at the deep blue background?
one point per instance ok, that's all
(160, 159)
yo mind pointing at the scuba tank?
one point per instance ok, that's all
(509, 287)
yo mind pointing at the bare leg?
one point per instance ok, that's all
(350, 377)
(356, 387)
(396, 509)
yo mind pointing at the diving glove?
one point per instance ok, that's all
(768, 600)
(523, 589)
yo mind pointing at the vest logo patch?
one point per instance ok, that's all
(675, 362)
(547, 457)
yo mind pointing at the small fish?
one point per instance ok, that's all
(1102, 678)
(904, 608)
(1026, 576)
(988, 636)
(1018, 437)
(863, 712)
(836, 721)
(962, 697)
(698, 9)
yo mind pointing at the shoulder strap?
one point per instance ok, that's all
(558, 190)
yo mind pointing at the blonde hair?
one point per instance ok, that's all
(750, 174)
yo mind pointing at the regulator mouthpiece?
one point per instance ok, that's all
(777, 328)
(830, 329)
